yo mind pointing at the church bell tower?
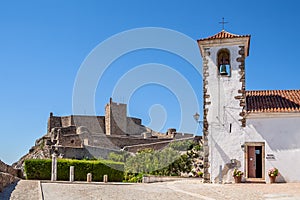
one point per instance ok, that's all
(224, 101)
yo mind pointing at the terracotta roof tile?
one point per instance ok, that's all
(222, 35)
(273, 101)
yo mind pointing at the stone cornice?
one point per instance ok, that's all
(245, 41)
(272, 115)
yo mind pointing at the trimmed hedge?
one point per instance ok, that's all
(40, 169)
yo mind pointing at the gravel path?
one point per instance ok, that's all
(189, 189)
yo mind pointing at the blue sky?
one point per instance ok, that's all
(43, 44)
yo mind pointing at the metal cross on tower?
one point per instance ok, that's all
(223, 23)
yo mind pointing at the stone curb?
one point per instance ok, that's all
(40, 191)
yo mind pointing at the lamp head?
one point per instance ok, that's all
(196, 116)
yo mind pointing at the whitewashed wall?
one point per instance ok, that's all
(223, 111)
(281, 133)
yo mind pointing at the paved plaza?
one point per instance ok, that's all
(189, 189)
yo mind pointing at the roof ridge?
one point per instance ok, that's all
(281, 90)
(222, 35)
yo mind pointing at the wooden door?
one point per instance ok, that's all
(251, 162)
(255, 160)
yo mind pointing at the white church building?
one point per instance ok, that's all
(252, 131)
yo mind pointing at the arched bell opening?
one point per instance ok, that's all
(224, 67)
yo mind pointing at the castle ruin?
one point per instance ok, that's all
(86, 137)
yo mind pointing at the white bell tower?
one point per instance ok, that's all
(224, 103)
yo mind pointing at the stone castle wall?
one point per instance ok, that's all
(96, 124)
(70, 141)
(93, 123)
(135, 127)
(67, 121)
(115, 121)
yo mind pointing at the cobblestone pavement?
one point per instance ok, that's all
(186, 189)
(23, 190)
(189, 189)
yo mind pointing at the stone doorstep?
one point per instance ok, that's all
(255, 180)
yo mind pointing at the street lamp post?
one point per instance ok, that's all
(197, 117)
(205, 148)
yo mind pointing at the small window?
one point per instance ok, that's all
(224, 67)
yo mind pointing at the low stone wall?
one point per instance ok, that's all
(6, 179)
(8, 175)
(154, 179)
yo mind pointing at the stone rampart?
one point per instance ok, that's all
(154, 146)
(88, 152)
(131, 141)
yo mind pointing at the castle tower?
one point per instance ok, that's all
(115, 118)
(224, 103)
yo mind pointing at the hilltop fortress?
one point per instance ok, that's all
(83, 136)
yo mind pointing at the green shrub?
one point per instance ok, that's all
(199, 174)
(118, 156)
(167, 162)
(197, 147)
(184, 145)
(41, 169)
(38, 169)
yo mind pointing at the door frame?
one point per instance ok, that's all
(262, 145)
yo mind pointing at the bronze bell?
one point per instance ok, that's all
(223, 70)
